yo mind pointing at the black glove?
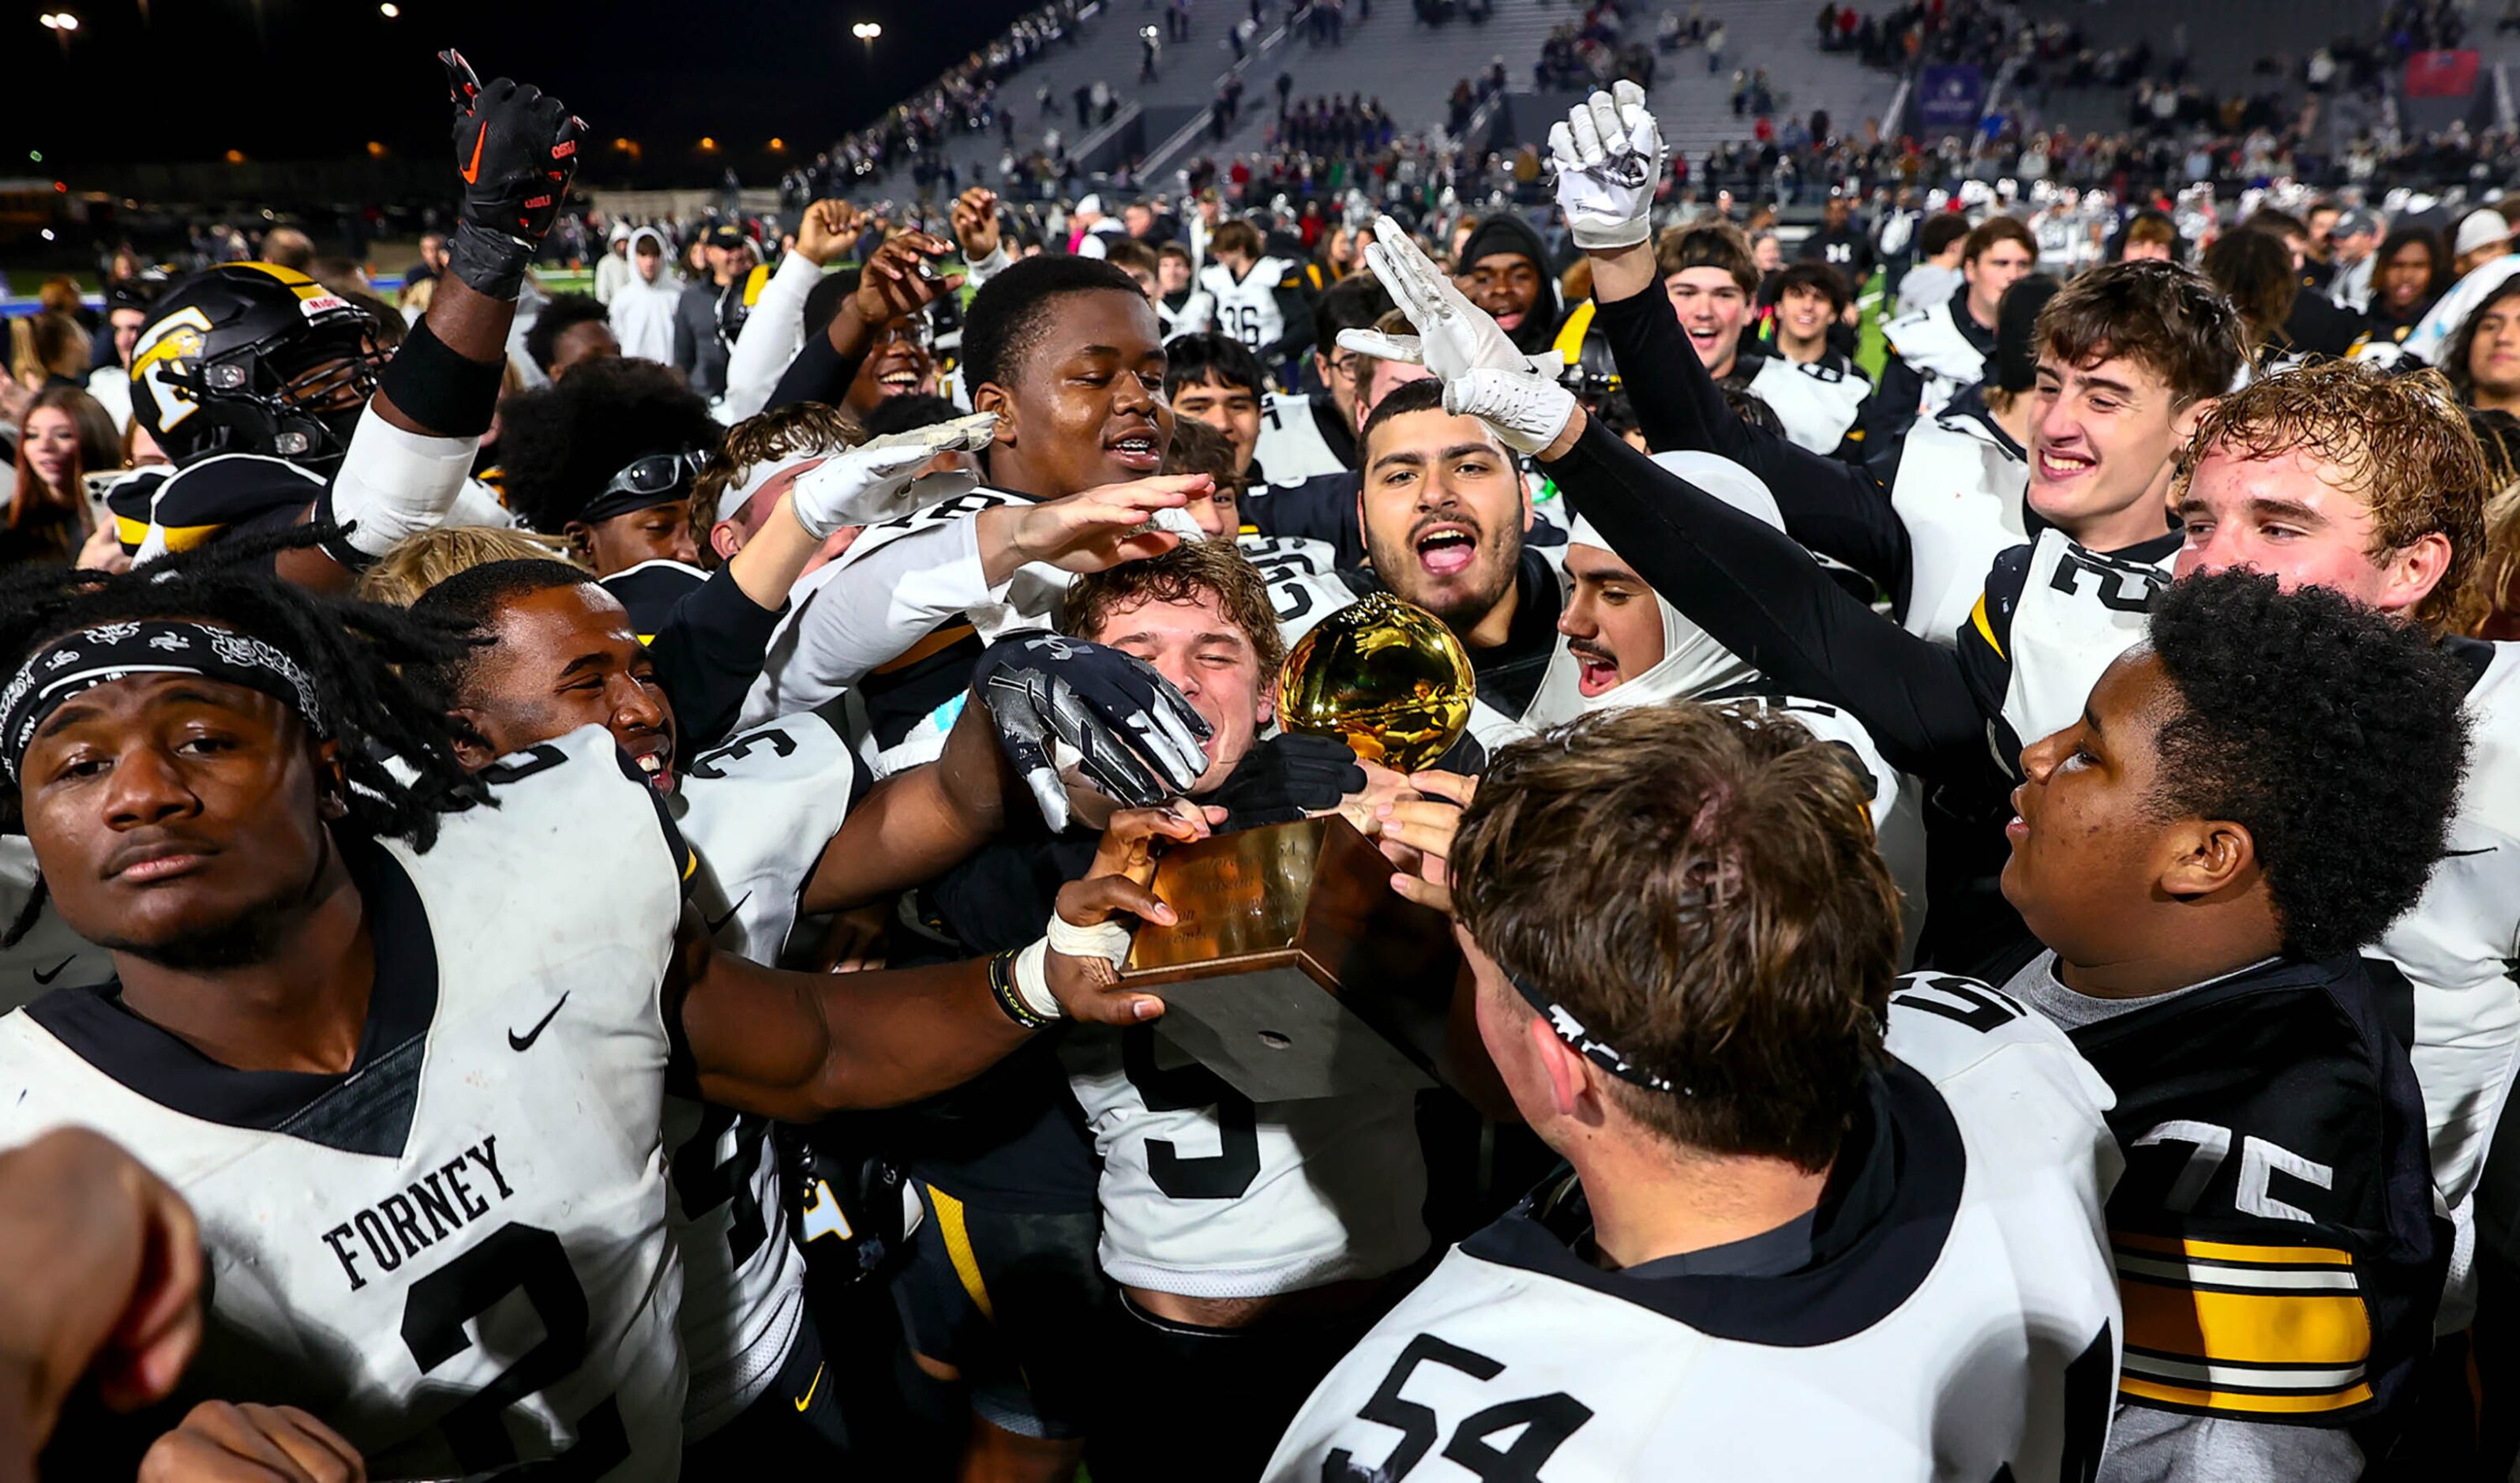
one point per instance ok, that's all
(516, 150)
(1138, 738)
(1287, 778)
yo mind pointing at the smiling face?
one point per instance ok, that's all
(177, 817)
(1711, 304)
(50, 442)
(1507, 285)
(1231, 410)
(2291, 516)
(899, 364)
(1442, 513)
(1194, 644)
(1612, 622)
(2102, 439)
(1087, 406)
(1803, 313)
(2085, 841)
(564, 657)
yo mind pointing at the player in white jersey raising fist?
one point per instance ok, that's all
(1801, 1190)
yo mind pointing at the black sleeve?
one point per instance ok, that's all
(1295, 309)
(1834, 507)
(818, 374)
(1892, 408)
(707, 652)
(1762, 597)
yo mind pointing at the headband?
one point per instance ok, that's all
(1600, 1053)
(100, 655)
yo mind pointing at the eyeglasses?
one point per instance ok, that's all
(657, 474)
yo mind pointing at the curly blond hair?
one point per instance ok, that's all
(2402, 445)
(794, 428)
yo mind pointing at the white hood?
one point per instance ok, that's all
(1692, 664)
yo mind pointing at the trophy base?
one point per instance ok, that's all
(1294, 971)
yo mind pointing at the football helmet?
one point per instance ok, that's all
(250, 357)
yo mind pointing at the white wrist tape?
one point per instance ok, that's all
(1109, 942)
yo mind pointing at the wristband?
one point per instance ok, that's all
(488, 260)
(448, 394)
(1002, 988)
(1032, 985)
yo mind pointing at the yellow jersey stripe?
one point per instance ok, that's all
(2228, 1400)
(2224, 1251)
(2247, 1328)
(1977, 617)
(179, 538)
(958, 1248)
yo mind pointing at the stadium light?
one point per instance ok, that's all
(389, 10)
(866, 32)
(62, 23)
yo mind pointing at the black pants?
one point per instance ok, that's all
(796, 1422)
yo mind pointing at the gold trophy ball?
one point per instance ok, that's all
(1384, 676)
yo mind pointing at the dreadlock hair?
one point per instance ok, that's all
(354, 653)
(469, 602)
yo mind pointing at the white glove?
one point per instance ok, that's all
(856, 484)
(1453, 335)
(1609, 155)
(1528, 411)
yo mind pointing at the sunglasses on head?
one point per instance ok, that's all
(657, 474)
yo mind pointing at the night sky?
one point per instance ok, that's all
(321, 78)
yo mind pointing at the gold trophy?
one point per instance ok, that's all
(1293, 970)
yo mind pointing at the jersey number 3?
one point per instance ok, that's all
(1223, 1175)
(515, 1258)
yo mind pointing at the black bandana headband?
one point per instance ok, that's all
(1600, 1053)
(110, 651)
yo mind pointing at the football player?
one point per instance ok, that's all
(1302, 437)
(1947, 346)
(1816, 392)
(2250, 799)
(1259, 300)
(1801, 1188)
(264, 391)
(787, 823)
(426, 1156)
(1249, 1242)
(605, 459)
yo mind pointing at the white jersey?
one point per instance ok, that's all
(758, 811)
(38, 953)
(1979, 1344)
(2079, 611)
(1933, 347)
(455, 1255)
(1206, 1194)
(1815, 400)
(1292, 448)
(1247, 308)
(1960, 494)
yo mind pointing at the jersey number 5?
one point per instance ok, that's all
(1223, 1175)
(1547, 1422)
(515, 1258)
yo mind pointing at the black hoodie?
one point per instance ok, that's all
(1509, 233)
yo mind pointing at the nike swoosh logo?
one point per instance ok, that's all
(715, 926)
(525, 1042)
(43, 977)
(809, 1389)
(472, 171)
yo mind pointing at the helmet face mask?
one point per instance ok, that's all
(253, 358)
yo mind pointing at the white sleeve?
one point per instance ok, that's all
(772, 335)
(394, 483)
(866, 615)
(976, 273)
(1198, 313)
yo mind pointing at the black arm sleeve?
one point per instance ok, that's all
(1891, 410)
(1761, 595)
(818, 374)
(1295, 309)
(1831, 506)
(707, 654)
